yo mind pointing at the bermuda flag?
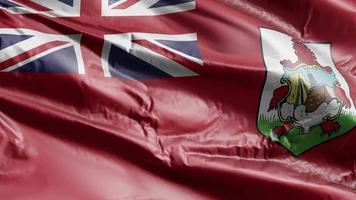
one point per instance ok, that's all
(177, 99)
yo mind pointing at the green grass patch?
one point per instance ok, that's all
(298, 143)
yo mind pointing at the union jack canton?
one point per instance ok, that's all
(130, 55)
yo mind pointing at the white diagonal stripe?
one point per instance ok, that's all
(33, 58)
(142, 8)
(124, 41)
(37, 39)
(22, 47)
(159, 61)
(58, 9)
(196, 60)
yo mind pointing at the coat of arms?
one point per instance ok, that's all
(305, 100)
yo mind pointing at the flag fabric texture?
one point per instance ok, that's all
(177, 99)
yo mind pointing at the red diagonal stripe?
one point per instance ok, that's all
(173, 56)
(28, 54)
(126, 4)
(32, 5)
